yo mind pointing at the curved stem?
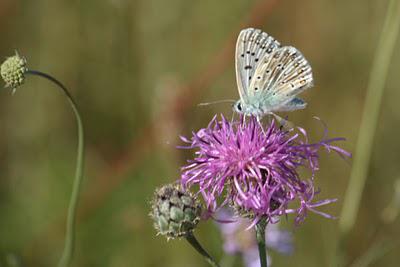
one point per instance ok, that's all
(260, 235)
(73, 204)
(196, 245)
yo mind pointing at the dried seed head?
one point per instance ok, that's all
(175, 212)
(13, 71)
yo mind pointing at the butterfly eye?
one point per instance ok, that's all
(239, 106)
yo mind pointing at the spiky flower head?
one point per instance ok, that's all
(13, 71)
(175, 212)
(255, 168)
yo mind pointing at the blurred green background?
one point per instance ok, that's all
(138, 69)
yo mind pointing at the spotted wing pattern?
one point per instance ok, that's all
(278, 78)
(251, 47)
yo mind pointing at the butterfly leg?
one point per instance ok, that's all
(244, 119)
(233, 116)
(259, 118)
(283, 122)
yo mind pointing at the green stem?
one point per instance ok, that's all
(196, 245)
(73, 204)
(376, 85)
(260, 235)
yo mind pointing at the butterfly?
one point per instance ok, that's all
(269, 76)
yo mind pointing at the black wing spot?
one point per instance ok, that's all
(248, 67)
(253, 54)
(258, 77)
(248, 52)
(256, 60)
(249, 77)
(242, 55)
(256, 88)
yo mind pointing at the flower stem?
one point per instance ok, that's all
(260, 235)
(376, 86)
(73, 204)
(196, 245)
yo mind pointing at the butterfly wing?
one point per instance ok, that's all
(251, 46)
(294, 104)
(278, 78)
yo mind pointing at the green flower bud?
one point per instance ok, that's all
(13, 71)
(175, 212)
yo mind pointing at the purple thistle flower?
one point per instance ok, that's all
(256, 167)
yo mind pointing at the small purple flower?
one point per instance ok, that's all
(255, 168)
(238, 240)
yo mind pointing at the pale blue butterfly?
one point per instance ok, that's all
(269, 77)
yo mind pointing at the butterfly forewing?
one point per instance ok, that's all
(252, 45)
(278, 78)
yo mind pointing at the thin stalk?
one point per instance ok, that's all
(196, 245)
(376, 85)
(73, 203)
(260, 235)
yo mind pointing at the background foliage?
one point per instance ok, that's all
(138, 69)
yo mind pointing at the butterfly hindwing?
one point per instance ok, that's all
(251, 47)
(294, 104)
(278, 78)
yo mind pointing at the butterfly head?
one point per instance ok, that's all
(254, 109)
(238, 107)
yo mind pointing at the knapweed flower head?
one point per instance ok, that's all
(255, 168)
(13, 71)
(175, 212)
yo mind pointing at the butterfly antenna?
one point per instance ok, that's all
(216, 102)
